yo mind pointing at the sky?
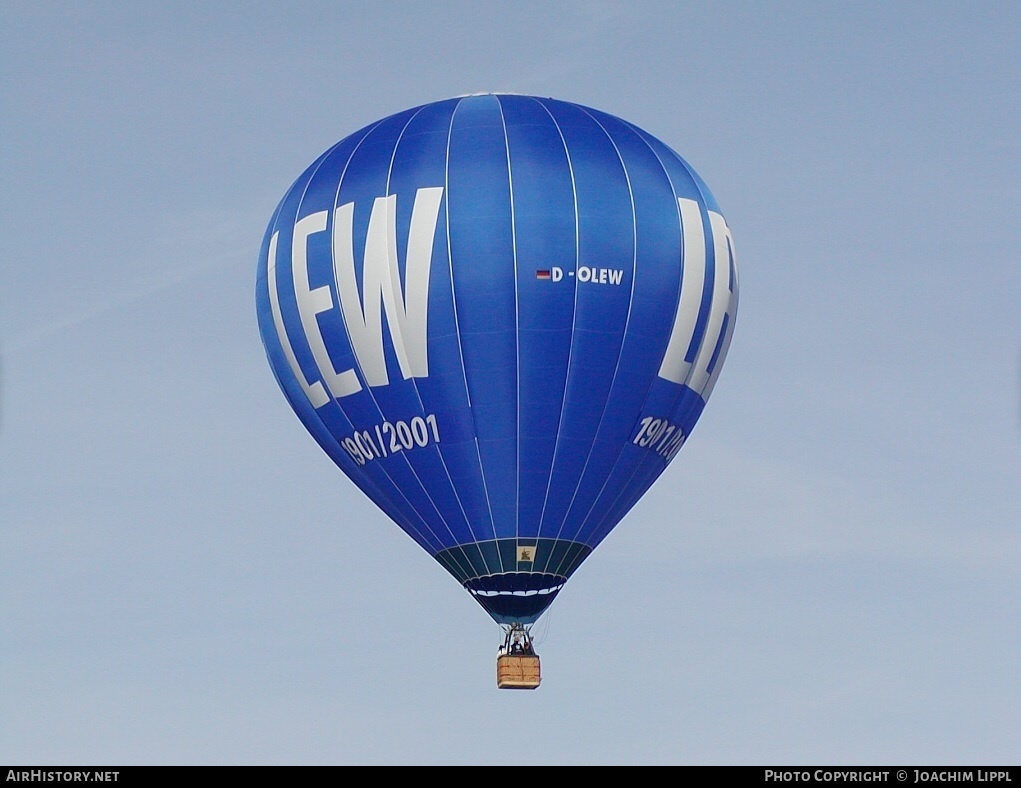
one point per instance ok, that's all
(828, 573)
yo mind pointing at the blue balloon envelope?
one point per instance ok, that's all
(501, 317)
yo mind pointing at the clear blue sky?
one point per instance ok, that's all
(827, 574)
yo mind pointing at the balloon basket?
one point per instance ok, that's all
(517, 664)
(517, 671)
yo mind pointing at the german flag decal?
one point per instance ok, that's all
(542, 273)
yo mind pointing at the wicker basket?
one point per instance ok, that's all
(516, 671)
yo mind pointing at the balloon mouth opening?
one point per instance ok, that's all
(515, 597)
(535, 592)
(516, 584)
(522, 593)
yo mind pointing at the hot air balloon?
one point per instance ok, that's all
(500, 316)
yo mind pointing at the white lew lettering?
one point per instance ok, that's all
(315, 392)
(407, 312)
(680, 355)
(406, 308)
